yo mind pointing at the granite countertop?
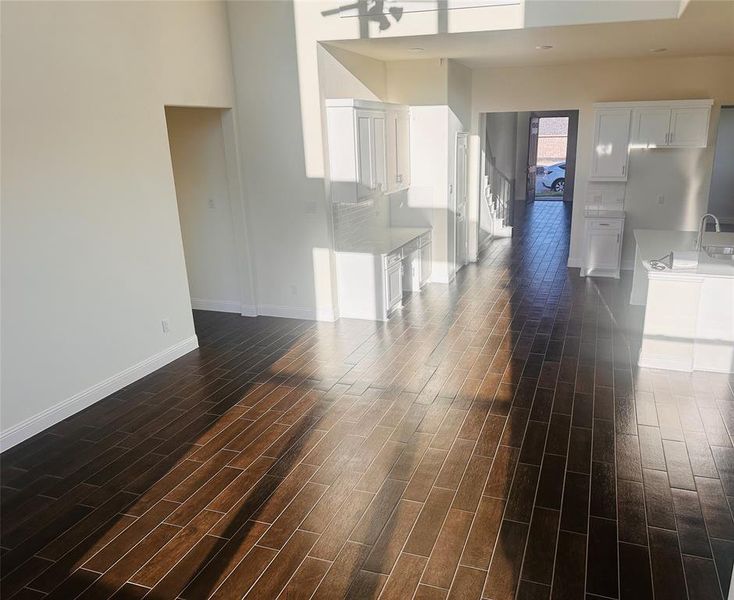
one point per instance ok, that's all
(390, 240)
(653, 244)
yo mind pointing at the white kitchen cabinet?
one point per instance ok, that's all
(611, 144)
(682, 124)
(398, 149)
(689, 127)
(412, 266)
(372, 276)
(393, 281)
(426, 258)
(369, 149)
(603, 246)
(379, 151)
(371, 156)
(650, 127)
(365, 171)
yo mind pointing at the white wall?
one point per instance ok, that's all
(202, 191)
(721, 196)
(92, 258)
(289, 218)
(502, 130)
(683, 181)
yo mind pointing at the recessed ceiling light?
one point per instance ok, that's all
(544, 47)
(415, 50)
(658, 50)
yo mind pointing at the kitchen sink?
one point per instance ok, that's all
(719, 245)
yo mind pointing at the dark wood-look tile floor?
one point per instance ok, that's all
(492, 440)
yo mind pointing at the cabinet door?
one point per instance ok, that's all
(394, 286)
(650, 127)
(425, 263)
(403, 149)
(689, 127)
(380, 152)
(602, 250)
(611, 142)
(391, 142)
(365, 168)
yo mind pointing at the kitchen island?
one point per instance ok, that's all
(689, 313)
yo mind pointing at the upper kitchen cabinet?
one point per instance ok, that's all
(369, 148)
(611, 143)
(650, 127)
(671, 124)
(689, 126)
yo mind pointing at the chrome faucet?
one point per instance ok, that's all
(702, 228)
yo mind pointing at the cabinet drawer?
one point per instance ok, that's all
(411, 247)
(605, 224)
(393, 258)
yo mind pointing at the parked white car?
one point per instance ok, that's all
(552, 177)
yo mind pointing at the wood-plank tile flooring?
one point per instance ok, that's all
(492, 440)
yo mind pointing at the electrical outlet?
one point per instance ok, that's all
(661, 199)
(166, 326)
(212, 204)
(294, 290)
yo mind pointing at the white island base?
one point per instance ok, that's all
(689, 314)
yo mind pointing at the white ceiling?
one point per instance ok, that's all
(706, 28)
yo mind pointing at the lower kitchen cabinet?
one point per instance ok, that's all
(603, 246)
(426, 259)
(370, 284)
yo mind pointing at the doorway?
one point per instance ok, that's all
(721, 191)
(460, 199)
(200, 172)
(551, 156)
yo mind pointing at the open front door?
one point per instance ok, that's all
(462, 151)
(532, 158)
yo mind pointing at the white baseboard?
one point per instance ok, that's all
(268, 310)
(228, 306)
(248, 310)
(296, 312)
(66, 408)
(575, 263)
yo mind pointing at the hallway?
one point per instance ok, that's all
(492, 440)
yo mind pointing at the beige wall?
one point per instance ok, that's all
(202, 193)
(681, 176)
(418, 82)
(344, 74)
(92, 259)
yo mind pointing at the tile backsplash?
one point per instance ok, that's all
(357, 223)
